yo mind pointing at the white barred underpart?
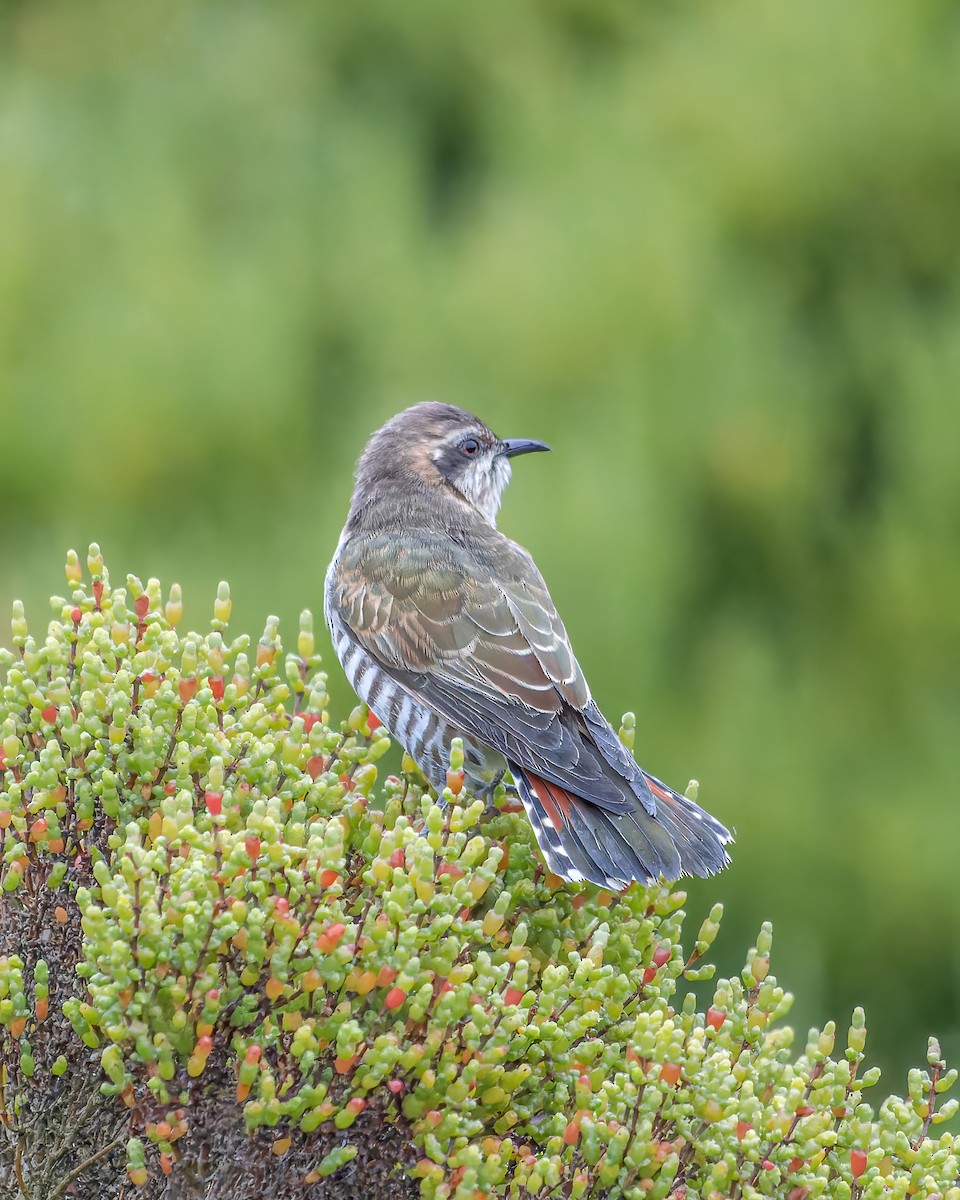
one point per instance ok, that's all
(418, 729)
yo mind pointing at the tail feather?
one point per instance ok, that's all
(582, 841)
(700, 837)
(566, 831)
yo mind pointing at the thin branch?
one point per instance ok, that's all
(931, 1104)
(18, 1168)
(88, 1162)
(75, 1127)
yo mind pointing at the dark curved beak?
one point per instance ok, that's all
(513, 446)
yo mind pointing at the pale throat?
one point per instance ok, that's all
(483, 486)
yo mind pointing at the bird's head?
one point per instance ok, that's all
(436, 447)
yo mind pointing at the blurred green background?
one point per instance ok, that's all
(708, 251)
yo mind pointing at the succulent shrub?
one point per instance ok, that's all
(234, 962)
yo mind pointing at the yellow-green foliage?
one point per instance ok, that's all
(273, 938)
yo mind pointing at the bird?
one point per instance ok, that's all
(445, 629)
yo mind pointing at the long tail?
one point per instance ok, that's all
(581, 840)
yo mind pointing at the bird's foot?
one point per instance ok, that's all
(501, 798)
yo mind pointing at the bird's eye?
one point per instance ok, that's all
(470, 447)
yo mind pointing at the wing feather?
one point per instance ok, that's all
(476, 636)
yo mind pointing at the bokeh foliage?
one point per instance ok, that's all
(708, 251)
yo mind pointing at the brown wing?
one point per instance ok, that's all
(419, 608)
(477, 637)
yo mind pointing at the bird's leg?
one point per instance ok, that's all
(485, 791)
(492, 791)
